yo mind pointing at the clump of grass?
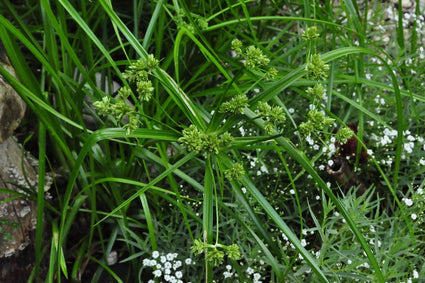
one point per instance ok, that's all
(218, 139)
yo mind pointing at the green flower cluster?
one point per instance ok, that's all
(119, 108)
(273, 116)
(344, 134)
(317, 91)
(138, 73)
(181, 22)
(195, 140)
(316, 68)
(235, 173)
(310, 34)
(253, 58)
(215, 253)
(316, 121)
(236, 105)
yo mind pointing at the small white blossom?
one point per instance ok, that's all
(157, 273)
(408, 201)
(415, 274)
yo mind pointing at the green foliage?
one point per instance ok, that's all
(225, 133)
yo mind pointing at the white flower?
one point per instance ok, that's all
(177, 264)
(414, 216)
(422, 161)
(243, 190)
(415, 274)
(179, 274)
(152, 262)
(408, 147)
(227, 274)
(330, 162)
(291, 110)
(170, 256)
(303, 242)
(146, 262)
(155, 254)
(157, 273)
(249, 270)
(163, 259)
(167, 265)
(188, 261)
(292, 192)
(257, 276)
(408, 201)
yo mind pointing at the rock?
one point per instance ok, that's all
(17, 176)
(17, 215)
(12, 107)
(406, 4)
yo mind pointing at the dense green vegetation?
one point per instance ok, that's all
(194, 140)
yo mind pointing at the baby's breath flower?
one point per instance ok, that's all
(408, 201)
